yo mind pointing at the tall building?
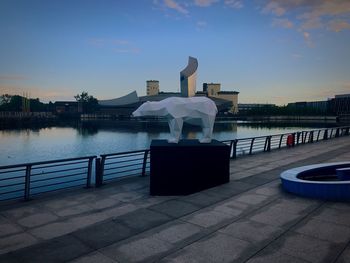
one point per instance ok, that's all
(152, 87)
(188, 78)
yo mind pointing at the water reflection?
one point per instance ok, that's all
(56, 140)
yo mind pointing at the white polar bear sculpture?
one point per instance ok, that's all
(195, 110)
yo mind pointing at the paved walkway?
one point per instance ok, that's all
(250, 219)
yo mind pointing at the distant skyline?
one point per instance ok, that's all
(270, 51)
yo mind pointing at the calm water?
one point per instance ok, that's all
(93, 138)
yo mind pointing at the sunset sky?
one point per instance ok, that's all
(269, 51)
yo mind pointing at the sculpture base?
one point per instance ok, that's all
(188, 167)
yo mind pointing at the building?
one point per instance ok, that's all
(68, 107)
(188, 78)
(245, 108)
(152, 87)
(340, 105)
(213, 90)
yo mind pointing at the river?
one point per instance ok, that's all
(75, 139)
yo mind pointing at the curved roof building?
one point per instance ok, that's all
(188, 78)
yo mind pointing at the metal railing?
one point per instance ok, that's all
(26, 180)
(29, 179)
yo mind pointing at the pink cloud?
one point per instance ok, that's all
(236, 4)
(204, 3)
(282, 22)
(172, 4)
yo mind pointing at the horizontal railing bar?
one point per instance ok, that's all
(120, 172)
(59, 171)
(46, 185)
(120, 177)
(58, 189)
(122, 153)
(10, 192)
(12, 171)
(58, 177)
(118, 167)
(46, 162)
(11, 178)
(8, 185)
(109, 163)
(57, 165)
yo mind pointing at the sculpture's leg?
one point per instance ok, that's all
(207, 126)
(175, 126)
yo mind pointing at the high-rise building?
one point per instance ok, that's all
(188, 78)
(152, 87)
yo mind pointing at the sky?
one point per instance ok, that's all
(269, 51)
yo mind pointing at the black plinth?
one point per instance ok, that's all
(188, 167)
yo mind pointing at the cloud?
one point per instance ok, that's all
(172, 4)
(127, 50)
(234, 3)
(116, 45)
(204, 3)
(338, 25)
(120, 42)
(97, 42)
(312, 14)
(297, 56)
(282, 22)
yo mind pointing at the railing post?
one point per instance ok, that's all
(269, 143)
(89, 172)
(234, 153)
(318, 135)
(325, 134)
(330, 136)
(27, 183)
(298, 137)
(347, 131)
(98, 177)
(144, 163)
(280, 143)
(251, 146)
(311, 137)
(337, 133)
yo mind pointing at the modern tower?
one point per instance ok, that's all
(188, 78)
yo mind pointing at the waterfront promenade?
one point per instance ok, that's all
(250, 219)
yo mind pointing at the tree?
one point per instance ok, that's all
(89, 103)
(5, 99)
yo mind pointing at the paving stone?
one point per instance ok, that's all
(228, 208)
(104, 234)
(93, 257)
(17, 241)
(275, 217)
(8, 229)
(252, 231)
(295, 205)
(57, 250)
(175, 208)
(275, 257)
(74, 210)
(208, 218)
(21, 212)
(120, 210)
(143, 219)
(61, 203)
(202, 199)
(306, 248)
(256, 180)
(53, 230)
(176, 232)
(127, 196)
(345, 256)
(252, 199)
(268, 191)
(216, 248)
(336, 216)
(138, 250)
(37, 219)
(103, 203)
(325, 231)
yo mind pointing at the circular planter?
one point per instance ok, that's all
(311, 181)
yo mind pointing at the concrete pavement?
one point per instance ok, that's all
(250, 219)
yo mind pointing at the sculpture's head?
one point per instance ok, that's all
(149, 108)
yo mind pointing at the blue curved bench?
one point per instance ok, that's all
(293, 182)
